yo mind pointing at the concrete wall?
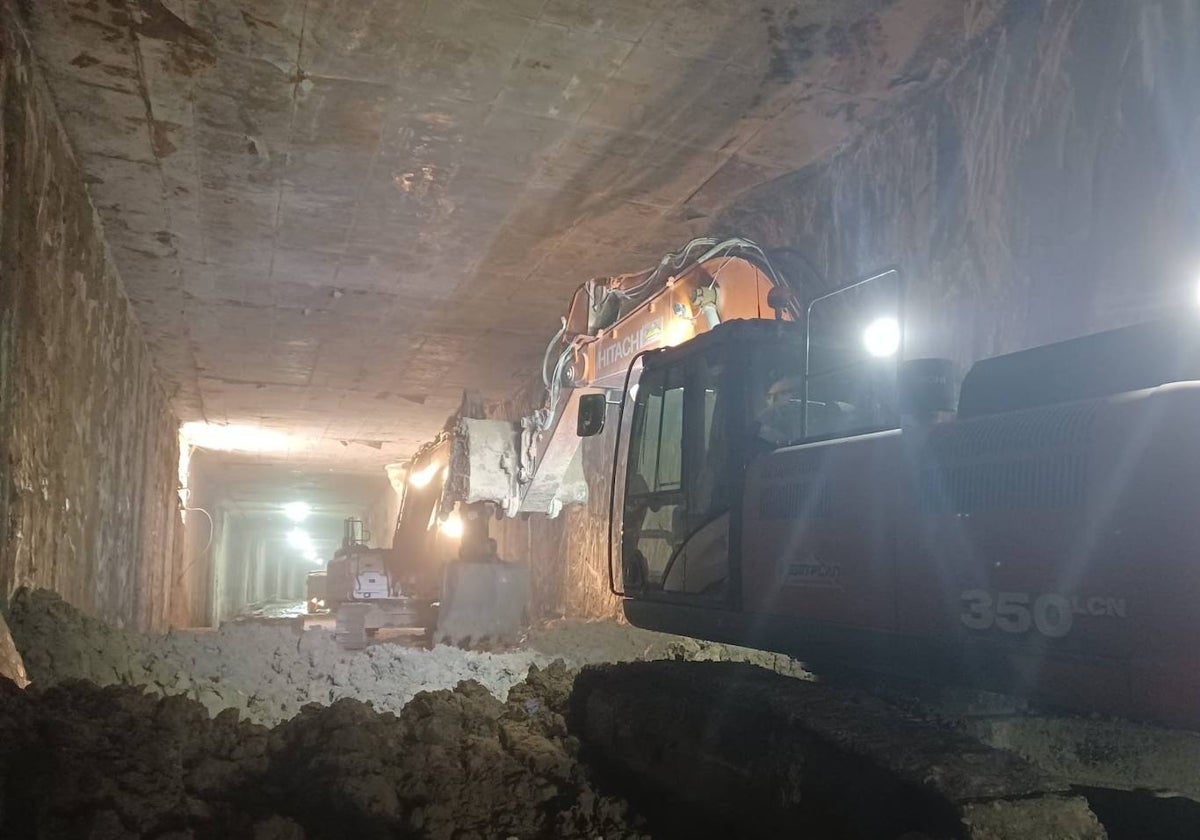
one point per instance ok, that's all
(1049, 188)
(88, 444)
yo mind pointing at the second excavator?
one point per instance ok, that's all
(482, 468)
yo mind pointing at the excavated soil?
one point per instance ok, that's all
(124, 735)
(79, 760)
(268, 671)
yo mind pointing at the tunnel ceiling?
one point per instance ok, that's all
(255, 489)
(333, 216)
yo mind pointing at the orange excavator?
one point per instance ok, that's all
(785, 478)
(480, 468)
(800, 486)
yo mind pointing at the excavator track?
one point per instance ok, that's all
(770, 754)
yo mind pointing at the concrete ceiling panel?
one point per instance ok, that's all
(332, 214)
(359, 39)
(246, 97)
(626, 20)
(296, 268)
(265, 30)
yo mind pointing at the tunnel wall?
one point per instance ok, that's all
(193, 592)
(568, 555)
(90, 449)
(1049, 187)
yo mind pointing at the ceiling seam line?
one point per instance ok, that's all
(144, 92)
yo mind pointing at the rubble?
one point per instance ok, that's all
(269, 671)
(128, 735)
(582, 643)
(79, 760)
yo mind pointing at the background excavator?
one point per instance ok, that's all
(442, 570)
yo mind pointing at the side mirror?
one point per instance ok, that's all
(592, 411)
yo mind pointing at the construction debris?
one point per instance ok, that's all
(78, 760)
(268, 671)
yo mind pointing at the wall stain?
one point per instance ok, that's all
(84, 60)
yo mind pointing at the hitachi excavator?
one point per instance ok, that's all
(785, 478)
(480, 468)
(797, 485)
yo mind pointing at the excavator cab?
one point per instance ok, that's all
(703, 411)
(699, 413)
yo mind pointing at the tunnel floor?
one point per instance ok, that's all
(266, 729)
(261, 729)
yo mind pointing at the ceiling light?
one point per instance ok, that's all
(233, 438)
(297, 511)
(301, 540)
(882, 337)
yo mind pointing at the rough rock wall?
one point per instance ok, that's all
(568, 555)
(193, 584)
(88, 443)
(1049, 187)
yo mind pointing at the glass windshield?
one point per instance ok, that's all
(777, 393)
(678, 490)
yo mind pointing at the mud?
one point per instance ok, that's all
(78, 760)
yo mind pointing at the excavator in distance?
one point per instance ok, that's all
(480, 468)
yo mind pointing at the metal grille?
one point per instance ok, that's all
(1024, 431)
(1026, 460)
(797, 500)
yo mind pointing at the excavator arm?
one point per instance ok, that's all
(487, 466)
(609, 321)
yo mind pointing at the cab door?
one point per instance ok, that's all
(678, 491)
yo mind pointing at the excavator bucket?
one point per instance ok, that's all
(483, 603)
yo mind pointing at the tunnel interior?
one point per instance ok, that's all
(301, 301)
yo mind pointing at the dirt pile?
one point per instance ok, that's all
(580, 643)
(79, 760)
(269, 671)
(266, 672)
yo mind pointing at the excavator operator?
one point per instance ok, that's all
(782, 421)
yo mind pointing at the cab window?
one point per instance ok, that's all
(678, 490)
(854, 343)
